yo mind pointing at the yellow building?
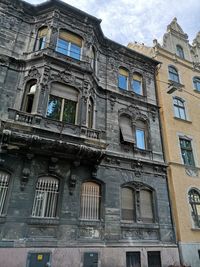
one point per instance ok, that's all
(178, 88)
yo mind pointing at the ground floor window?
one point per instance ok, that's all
(133, 259)
(90, 259)
(154, 259)
(38, 259)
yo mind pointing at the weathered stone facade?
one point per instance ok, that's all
(33, 145)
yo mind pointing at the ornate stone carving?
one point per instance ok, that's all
(33, 74)
(140, 234)
(89, 232)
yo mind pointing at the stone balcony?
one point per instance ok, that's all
(41, 123)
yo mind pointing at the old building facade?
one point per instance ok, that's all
(82, 173)
(178, 84)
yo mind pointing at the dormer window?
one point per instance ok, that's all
(69, 44)
(179, 51)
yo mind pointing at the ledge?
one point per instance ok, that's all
(179, 119)
(139, 225)
(43, 221)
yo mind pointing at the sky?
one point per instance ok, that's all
(142, 21)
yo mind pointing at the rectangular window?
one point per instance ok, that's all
(90, 259)
(140, 138)
(39, 259)
(186, 152)
(75, 51)
(62, 46)
(122, 80)
(133, 259)
(61, 109)
(154, 259)
(137, 87)
(4, 180)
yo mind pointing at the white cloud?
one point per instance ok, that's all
(128, 20)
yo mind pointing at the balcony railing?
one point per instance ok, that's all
(47, 124)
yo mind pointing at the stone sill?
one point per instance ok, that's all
(43, 221)
(179, 119)
(195, 229)
(126, 224)
(90, 223)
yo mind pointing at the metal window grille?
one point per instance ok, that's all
(46, 198)
(90, 201)
(4, 181)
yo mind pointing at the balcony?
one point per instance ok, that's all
(41, 123)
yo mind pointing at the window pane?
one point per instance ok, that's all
(133, 259)
(182, 113)
(42, 42)
(69, 112)
(146, 211)
(90, 201)
(62, 46)
(128, 204)
(46, 196)
(122, 80)
(197, 83)
(186, 151)
(126, 129)
(140, 139)
(75, 51)
(137, 87)
(4, 180)
(54, 107)
(154, 259)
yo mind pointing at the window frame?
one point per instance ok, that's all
(46, 196)
(98, 215)
(27, 94)
(138, 78)
(137, 207)
(44, 45)
(6, 192)
(123, 70)
(178, 107)
(69, 44)
(196, 83)
(193, 209)
(188, 150)
(54, 92)
(173, 72)
(180, 51)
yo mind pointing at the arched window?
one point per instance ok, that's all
(46, 198)
(179, 108)
(137, 204)
(123, 79)
(90, 201)
(62, 103)
(69, 44)
(196, 82)
(4, 183)
(90, 117)
(179, 51)
(29, 96)
(93, 59)
(137, 84)
(194, 200)
(141, 134)
(173, 74)
(41, 41)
